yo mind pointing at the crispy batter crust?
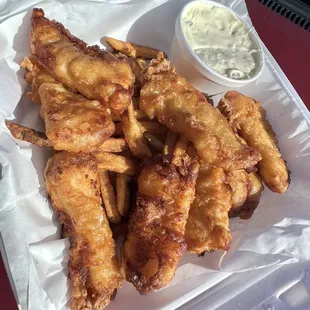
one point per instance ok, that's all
(207, 227)
(72, 182)
(176, 104)
(94, 73)
(254, 191)
(36, 75)
(72, 122)
(155, 241)
(248, 118)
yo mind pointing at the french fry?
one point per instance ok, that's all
(133, 134)
(132, 50)
(153, 127)
(116, 163)
(170, 142)
(29, 135)
(179, 149)
(142, 63)
(108, 197)
(140, 115)
(154, 142)
(122, 193)
(114, 145)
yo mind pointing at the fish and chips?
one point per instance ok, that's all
(118, 124)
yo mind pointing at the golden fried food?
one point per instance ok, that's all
(108, 197)
(122, 193)
(207, 227)
(112, 145)
(180, 148)
(238, 181)
(155, 240)
(132, 50)
(73, 123)
(73, 184)
(145, 126)
(170, 141)
(137, 66)
(255, 189)
(176, 104)
(29, 135)
(116, 163)
(36, 75)
(133, 134)
(248, 118)
(94, 73)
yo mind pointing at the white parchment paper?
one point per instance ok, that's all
(278, 232)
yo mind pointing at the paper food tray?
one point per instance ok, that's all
(36, 259)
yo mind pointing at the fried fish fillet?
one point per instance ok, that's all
(36, 75)
(246, 193)
(238, 181)
(94, 73)
(72, 122)
(255, 189)
(155, 240)
(176, 104)
(207, 227)
(248, 118)
(73, 185)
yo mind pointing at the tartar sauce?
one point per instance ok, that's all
(220, 40)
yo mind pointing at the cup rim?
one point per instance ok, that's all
(254, 37)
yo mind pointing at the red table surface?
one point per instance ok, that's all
(290, 46)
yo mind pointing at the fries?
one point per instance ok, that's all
(145, 126)
(108, 197)
(139, 114)
(122, 193)
(153, 127)
(133, 134)
(27, 134)
(170, 141)
(116, 163)
(154, 142)
(131, 49)
(114, 145)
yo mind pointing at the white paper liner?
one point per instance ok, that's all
(276, 234)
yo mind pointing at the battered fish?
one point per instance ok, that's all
(238, 181)
(72, 182)
(255, 189)
(72, 122)
(183, 109)
(248, 118)
(36, 75)
(207, 227)
(94, 73)
(155, 241)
